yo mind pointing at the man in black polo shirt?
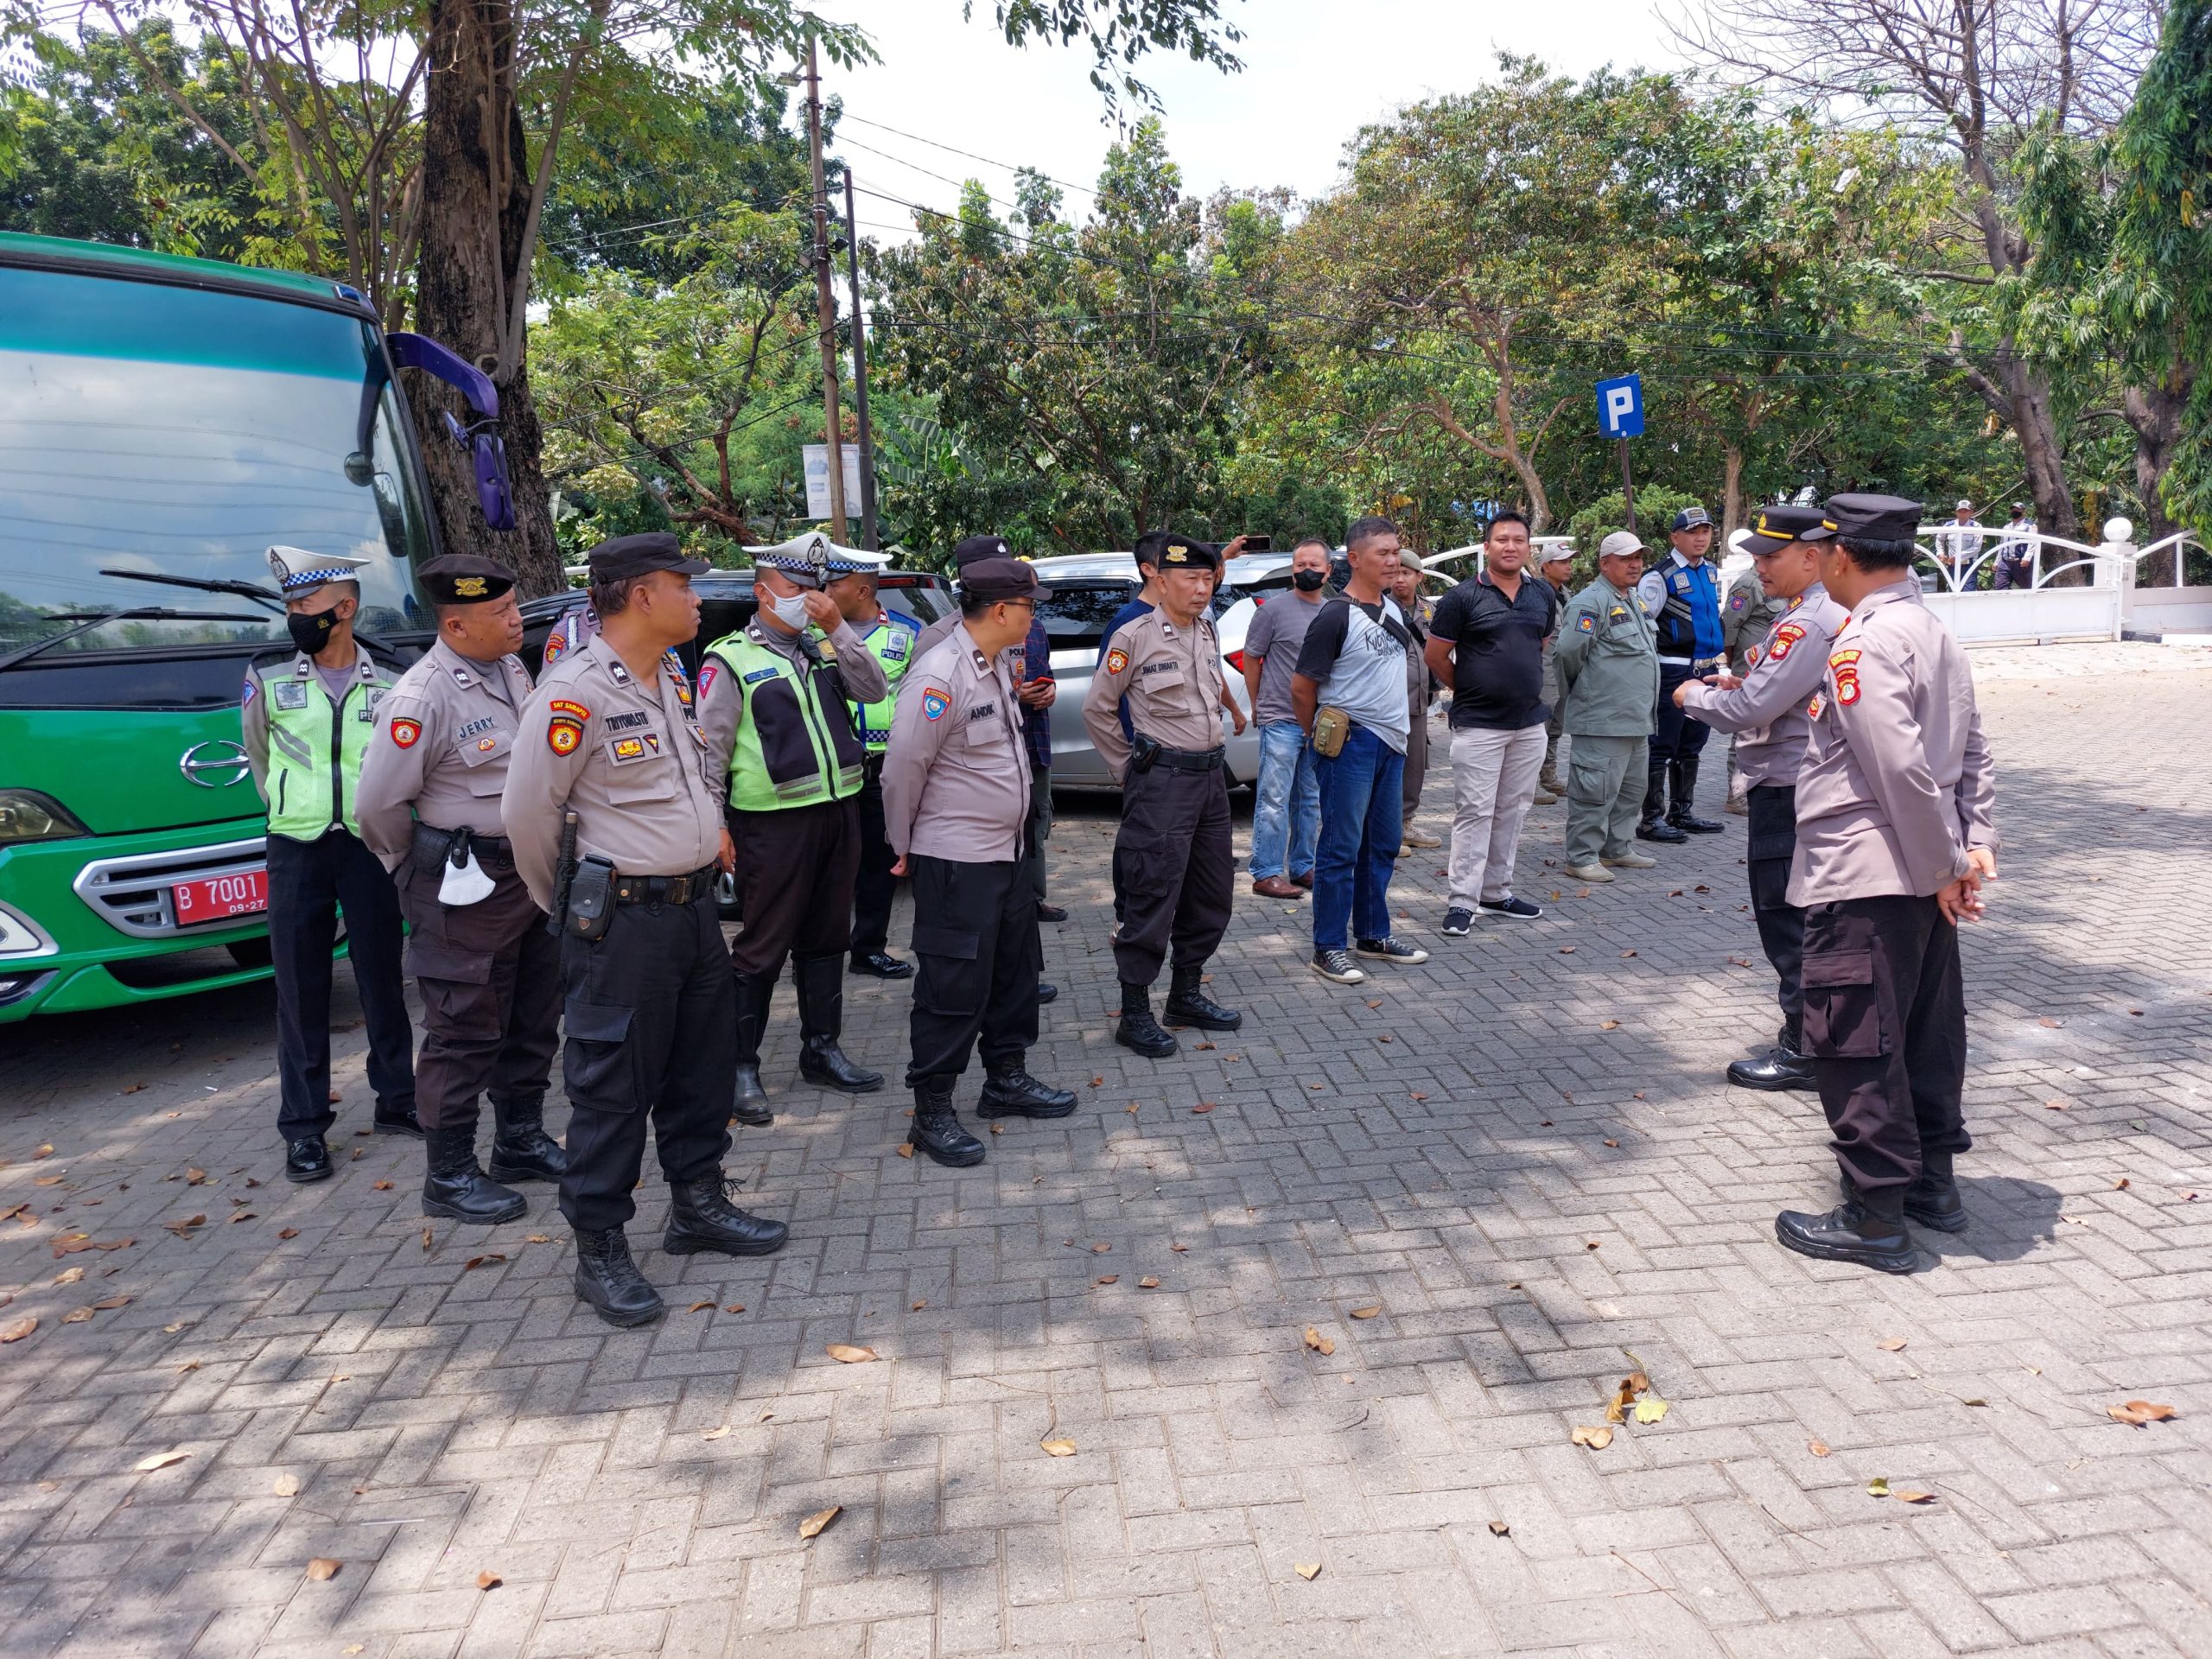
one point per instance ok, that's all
(1487, 643)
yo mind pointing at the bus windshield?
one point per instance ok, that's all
(183, 432)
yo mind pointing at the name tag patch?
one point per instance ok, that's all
(626, 720)
(1164, 665)
(982, 710)
(472, 727)
(760, 674)
(288, 694)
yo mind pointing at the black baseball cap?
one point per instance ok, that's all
(1869, 517)
(465, 579)
(640, 555)
(1691, 518)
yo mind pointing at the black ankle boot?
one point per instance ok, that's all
(454, 1187)
(521, 1150)
(748, 1102)
(1778, 1068)
(389, 1120)
(820, 1017)
(1652, 825)
(1932, 1200)
(1682, 777)
(1137, 1029)
(609, 1281)
(1866, 1229)
(702, 1218)
(938, 1133)
(1010, 1091)
(1189, 1005)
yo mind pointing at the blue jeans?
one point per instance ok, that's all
(1287, 814)
(1360, 823)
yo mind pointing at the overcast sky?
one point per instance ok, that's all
(1314, 73)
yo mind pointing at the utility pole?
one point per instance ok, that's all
(859, 370)
(825, 299)
(1628, 485)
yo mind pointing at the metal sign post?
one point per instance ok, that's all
(1620, 417)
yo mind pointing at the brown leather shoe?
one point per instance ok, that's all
(1276, 887)
(1305, 881)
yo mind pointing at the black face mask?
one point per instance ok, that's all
(1308, 581)
(311, 633)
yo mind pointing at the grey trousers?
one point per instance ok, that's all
(1604, 796)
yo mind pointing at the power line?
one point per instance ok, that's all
(987, 161)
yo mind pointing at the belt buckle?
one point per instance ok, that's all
(679, 889)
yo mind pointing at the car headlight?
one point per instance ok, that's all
(26, 814)
(20, 937)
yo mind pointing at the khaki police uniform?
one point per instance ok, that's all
(1173, 847)
(490, 970)
(649, 1007)
(1895, 789)
(305, 748)
(1608, 669)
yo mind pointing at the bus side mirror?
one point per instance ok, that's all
(494, 494)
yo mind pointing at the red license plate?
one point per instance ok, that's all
(219, 897)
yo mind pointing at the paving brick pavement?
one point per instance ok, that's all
(427, 1406)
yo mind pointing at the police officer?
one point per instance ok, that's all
(1177, 866)
(1682, 595)
(1765, 708)
(1608, 676)
(890, 641)
(488, 969)
(969, 550)
(956, 792)
(1557, 567)
(1748, 613)
(1894, 840)
(306, 716)
(611, 737)
(774, 705)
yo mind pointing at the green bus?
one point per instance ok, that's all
(163, 422)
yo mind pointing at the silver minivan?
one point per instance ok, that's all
(1083, 593)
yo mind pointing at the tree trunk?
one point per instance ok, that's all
(1731, 492)
(474, 206)
(2155, 413)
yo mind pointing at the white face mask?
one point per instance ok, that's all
(792, 611)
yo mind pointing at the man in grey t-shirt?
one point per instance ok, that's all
(1287, 816)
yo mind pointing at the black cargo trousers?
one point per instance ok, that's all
(975, 940)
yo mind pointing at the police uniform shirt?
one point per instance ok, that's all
(1606, 654)
(721, 701)
(941, 630)
(1897, 785)
(1782, 674)
(1748, 613)
(304, 680)
(626, 756)
(956, 780)
(1172, 677)
(446, 733)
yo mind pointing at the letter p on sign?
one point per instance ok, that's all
(1620, 407)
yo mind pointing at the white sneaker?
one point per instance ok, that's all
(1632, 861)
(1589, 872)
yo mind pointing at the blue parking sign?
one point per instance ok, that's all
(1620, 407)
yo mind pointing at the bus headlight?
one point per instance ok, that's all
(26, 814)
(22, 938)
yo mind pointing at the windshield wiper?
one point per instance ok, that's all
(205, 584)
(95, 619)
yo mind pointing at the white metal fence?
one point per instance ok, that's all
(1961, 585)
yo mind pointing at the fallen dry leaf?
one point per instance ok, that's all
(287, 1232)
(1566, 949)
(1147, 1283)
(539, 1239)
(1650, 1410)
(700, 1307)
(134, 1088)
(1818, 1448)
(68, 1275)
(1367, 1312)
(426, 1238)
(1307, 1570)
(49, 1180)
(182, 1228)
(188, 1366)
(380, 1186)
(1596, 1438)
(739, 1307)
(194, 1177)
(2046, 1021)
(322, 1568)
(159, 1461)
(488, 1581)
(812, 1526)
(904, 1150)
(850, 1354)
(918, 1308)
(2121, 1185)
(286, 1485)
(1612, 1142)
(1100, 1250)
(1609, 1025)
(46, 1151)
(1499, 1530)
(2136, 1413)
(16, 1329)
(1057, 1449)
(1108, 1279)
(1318, 1343)
(107, 1303)
(2053, 1105)
(1891, 1344)
(241, 1215)
(720, 1432)
(76, 1316)
(1181, 1249)
(1914, 1497)
(1878, 1487)
(1203, 1106)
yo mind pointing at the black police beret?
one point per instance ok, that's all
(993, 580)
(1773, 528)
(640, 555)
(1871, 518)
(980, 547)
(1181, 552)
(465, 579)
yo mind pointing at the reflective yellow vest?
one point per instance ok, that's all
(795, 746)
(315, 749)
(892, 642)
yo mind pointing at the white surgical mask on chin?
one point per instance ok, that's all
(790, 612)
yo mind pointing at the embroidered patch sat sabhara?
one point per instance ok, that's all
(1784, 637)
(1843, 665)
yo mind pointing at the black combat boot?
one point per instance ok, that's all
(1866, 1229)
(454, 1187)
(608, 1279)
(521, 1150)
(1189, 1005)
(748, 1103)
(938, 1133)
(1653, 825)
(1682, 779)
(1010, 1091)
(391, 1119)
(1932, 1200)
(1783, 1066)
(702, 1218)
(820, 1017)
(1136, 1028)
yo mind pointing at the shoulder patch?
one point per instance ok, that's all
(1585, 623)
(575, 711)
(253, 689)
(1843, 658)
(406, 733)
(934, 703)
(1116, 660)
(709, 672)
(1784, 637)
(1736, 601)
(563, 735)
